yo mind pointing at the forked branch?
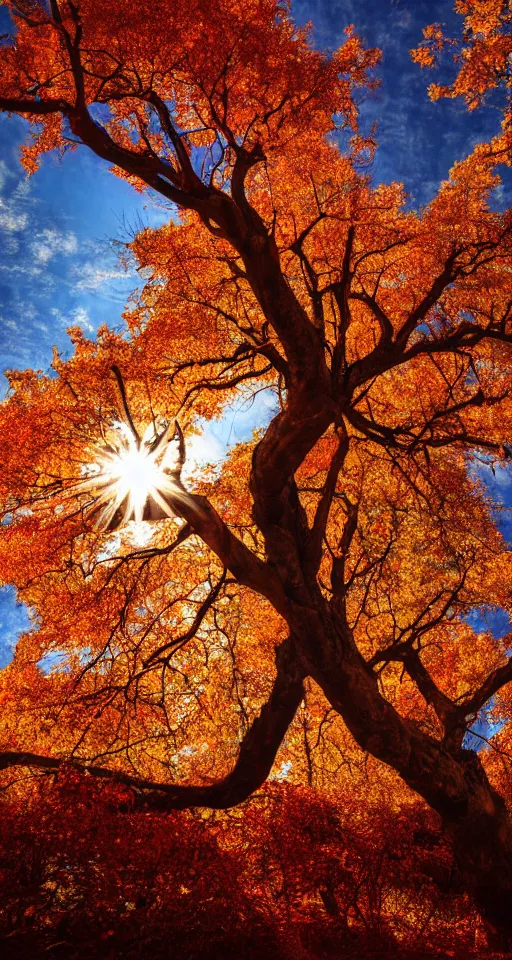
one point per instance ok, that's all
(258, 751)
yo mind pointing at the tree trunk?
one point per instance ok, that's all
(482, 842)
(452, 781)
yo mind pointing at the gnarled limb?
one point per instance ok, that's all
(233, 554)
(34, 108)
(444, 707)
(232, 217)
(491, 685)
(258, 750)
(322, 512)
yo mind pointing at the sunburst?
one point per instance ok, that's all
(131, 478)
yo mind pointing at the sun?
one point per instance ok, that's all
(131, 478)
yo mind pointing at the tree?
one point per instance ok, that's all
(482, 54)
(352, 535)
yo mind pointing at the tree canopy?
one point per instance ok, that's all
(306, 602)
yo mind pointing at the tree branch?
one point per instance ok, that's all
(447, 275)
(445, 708)
(386, 327)
(37, 108)
(322, 512)
(124, 402)
(190, 178)
(258, 750)
(169, 648)
(494, 682)
(248, 569)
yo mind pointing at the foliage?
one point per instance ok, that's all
(482, 54)
(297, 876)
(306, 601)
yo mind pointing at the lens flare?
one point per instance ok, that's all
(131, 479)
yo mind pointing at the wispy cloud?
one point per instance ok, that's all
(5, 174)
(91, 276)
(78, 317)
(11, 218)
(50, 242)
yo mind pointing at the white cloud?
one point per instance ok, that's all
(22, 190)
(82, 319)
(11, 219)
(403, 20)
(11, 245)
(11, 324)
(76, 318)
(49, 243)
(90, 276)
(5, 173)
(203, 448)
(20, 268)
(42, 252)
(26, 309)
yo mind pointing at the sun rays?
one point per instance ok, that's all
(131, 478)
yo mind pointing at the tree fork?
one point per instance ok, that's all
(454, 784)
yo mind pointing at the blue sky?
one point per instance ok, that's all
(59, 267)
(58, 264)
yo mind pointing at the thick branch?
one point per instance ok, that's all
(190, 178)
(258, 750)
(324, 506)
(447, 275)
(233, 554)
(341, 295)
(239, 223)
(156, 173)
(494, 682)
(245, 160)
(124, 403)
(386, 327)
(36, 108)
(289, 438)
(443, 706)
(424, 764)
(338, 564)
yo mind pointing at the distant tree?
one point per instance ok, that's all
(326, 569)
